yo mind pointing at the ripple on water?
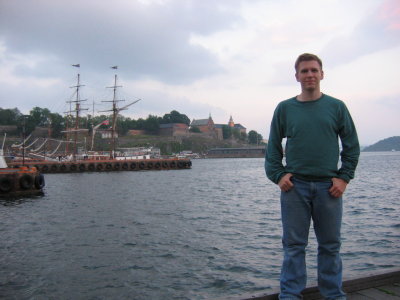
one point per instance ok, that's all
(194, 234)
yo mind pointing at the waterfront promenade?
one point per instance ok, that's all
(383, 286)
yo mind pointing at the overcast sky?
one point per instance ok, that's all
(201, 57)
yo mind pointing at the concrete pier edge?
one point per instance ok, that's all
(374, 280)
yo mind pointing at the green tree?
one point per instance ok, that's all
(152, 124)
(236, 133)
(40, 116)
(140, 124)
(229, 132)
(254, 137)
(132, 124)
(25, 125)
(122, 125)
(9, 116)
(195, 129)
(175, 117)
(226, 132)
(57, 125)
(243, 136)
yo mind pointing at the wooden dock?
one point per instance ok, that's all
(106, 165)
(384, 286)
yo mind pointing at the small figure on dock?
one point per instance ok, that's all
(311, 183)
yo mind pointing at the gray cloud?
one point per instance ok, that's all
(376, 32)
(158, 104)
(146, 41)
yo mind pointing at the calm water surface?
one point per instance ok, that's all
(205, 233)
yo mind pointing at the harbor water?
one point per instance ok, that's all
(208, 232)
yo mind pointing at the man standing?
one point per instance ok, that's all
(311, 183)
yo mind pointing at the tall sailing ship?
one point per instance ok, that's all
(72, 160)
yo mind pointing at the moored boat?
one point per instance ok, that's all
(21, 181)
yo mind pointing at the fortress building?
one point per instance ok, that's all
(208, 127)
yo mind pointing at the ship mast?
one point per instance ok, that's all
(77, 111)
(115, 111)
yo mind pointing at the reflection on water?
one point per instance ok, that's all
(203, 233)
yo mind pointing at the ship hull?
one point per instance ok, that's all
(108, 165)
(21, 181)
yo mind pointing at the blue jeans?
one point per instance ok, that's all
(306, 201)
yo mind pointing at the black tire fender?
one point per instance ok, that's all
(5, 185)
(39, 181)
(25, 182)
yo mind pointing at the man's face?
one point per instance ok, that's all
(309, 74)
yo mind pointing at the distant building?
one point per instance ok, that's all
(249, 152)
(239, 127)
(207, 126)
(231, 123)
(174, 129)
(42, 132)
(151, 152)
(107, 134)
(136, 132)
(10, 129)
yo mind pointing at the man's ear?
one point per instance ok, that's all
(322, 74)
(297, 77)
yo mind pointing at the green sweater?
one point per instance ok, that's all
(312, 129)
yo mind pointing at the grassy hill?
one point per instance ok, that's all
(168, 145)
(197, 143)
(389, 144)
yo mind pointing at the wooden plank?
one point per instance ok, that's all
(371, 281)
(357, 296)
(393, 288)
(377, 294)
(273, 296)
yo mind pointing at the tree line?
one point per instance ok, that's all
(43, 117)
